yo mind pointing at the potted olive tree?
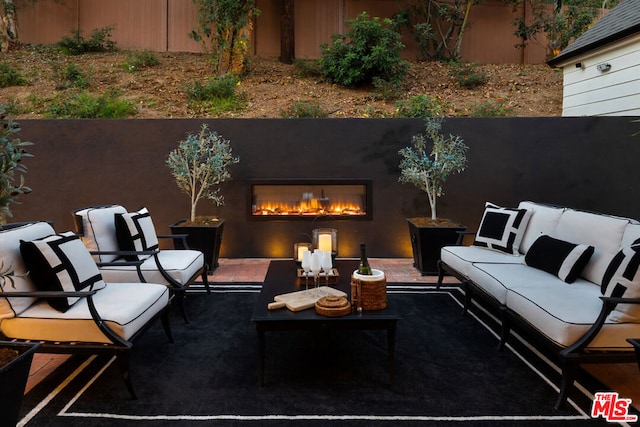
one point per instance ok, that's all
(427, 163)
(15, 357)
(199, 165)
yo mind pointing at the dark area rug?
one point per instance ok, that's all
(447, 372)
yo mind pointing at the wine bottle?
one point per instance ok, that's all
(364, 267)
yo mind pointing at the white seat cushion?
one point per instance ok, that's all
(461, 257)
(181, 265)
(564, 312)
(125, 307)
(496, 279)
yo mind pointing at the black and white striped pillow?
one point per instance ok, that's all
(622, 280)
(501, 229)
(562, 259)
(135, 232)
(61, 262)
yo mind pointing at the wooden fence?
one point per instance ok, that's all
(163, 26)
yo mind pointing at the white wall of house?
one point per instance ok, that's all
(589, 91)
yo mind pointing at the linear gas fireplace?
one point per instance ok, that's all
(310, 199)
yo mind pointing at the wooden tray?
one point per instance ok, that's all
(333, 277)
(302, 300)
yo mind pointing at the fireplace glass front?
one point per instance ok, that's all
(310, 199)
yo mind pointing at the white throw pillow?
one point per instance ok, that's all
(135, 232)
(501, 229)
(61, 262)
(622, 280)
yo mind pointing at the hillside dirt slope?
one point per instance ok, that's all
(269, 86)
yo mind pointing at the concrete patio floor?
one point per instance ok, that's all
(623, 378)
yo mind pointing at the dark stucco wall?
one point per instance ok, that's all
(587, 163)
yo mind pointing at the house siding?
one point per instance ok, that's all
(590, 92)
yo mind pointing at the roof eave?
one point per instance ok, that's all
(554, 62)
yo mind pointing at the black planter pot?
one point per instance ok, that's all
(205, 238)
(13, 379)
(426, 242)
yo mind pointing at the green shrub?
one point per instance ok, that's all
(420, 106)
(216, 95)
(370, 49)
(307, 68)
(9, 76)
(304, 108)
(139, 60)
(218, 87)
(468, 76)
(86, 106)
(387, 90)
(99, 41)
(497, 108)
(69, 76)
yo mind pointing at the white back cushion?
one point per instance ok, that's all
(543, 221)
(601, 231)
(10, 258)
(99, 230)
(631, 234)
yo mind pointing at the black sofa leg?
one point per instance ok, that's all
(205, 279)
(440, 274)
(125, 367)
(568, 376)
(505, 330)
(166, 323)
(183, 307)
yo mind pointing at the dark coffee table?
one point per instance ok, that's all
(281, 278)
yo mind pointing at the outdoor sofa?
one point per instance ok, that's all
(567, 278)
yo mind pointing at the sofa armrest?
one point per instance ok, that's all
(608, 304)
(461, 235)
(182, 237)
(123, 263)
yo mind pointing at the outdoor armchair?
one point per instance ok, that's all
(111, 233)
(52, 292)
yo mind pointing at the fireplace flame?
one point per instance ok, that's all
(311, 207)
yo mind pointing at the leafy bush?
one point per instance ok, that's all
(307, 108)
(86, 106)
(420, 106)
(216, 95)
(468, 76)
(9, 76)
(99, 41)
(218, 87)
(139, 60)
(69, 76)
(370, 49)
(307, 68)
(497, 108)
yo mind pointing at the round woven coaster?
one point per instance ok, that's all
(333, 306)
